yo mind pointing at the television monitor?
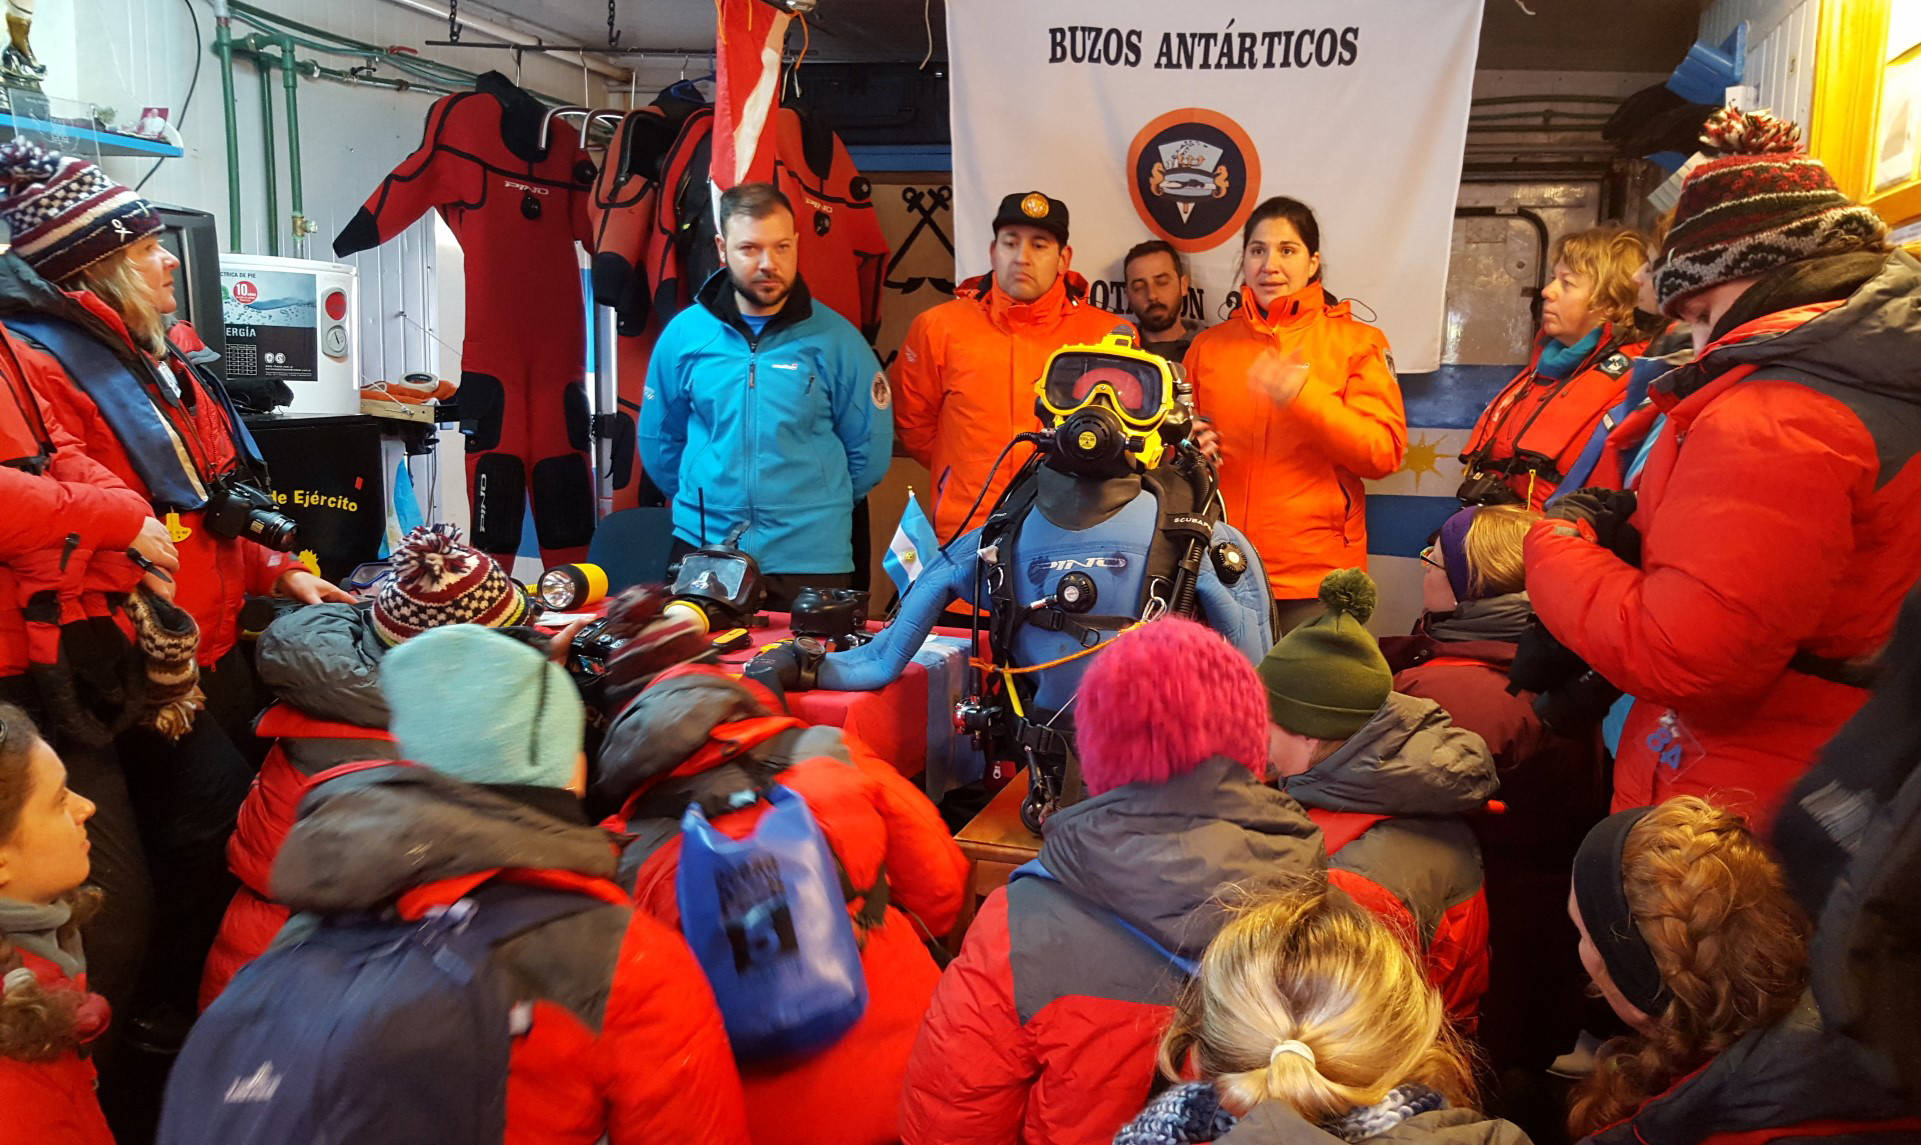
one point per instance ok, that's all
(192, 238)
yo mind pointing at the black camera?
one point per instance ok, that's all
(836, 614)
(1484, 488)
(237, 509)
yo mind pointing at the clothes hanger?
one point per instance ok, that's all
(547, 120)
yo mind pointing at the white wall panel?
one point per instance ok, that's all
(1781, 43)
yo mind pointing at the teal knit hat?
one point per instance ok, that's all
(481, 706)
(1327, 678)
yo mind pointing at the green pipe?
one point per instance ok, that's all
(1491, 100)
(346, 45)
(223, 47)
(289, 72)
(267, 158)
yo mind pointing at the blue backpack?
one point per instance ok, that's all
(367, 1029)
(767, 918)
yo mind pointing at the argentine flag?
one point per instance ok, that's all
(914, 542)
(1403, 508)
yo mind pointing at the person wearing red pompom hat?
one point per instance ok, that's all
(1779, 511)
(1046, 1026)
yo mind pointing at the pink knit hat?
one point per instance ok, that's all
(1163, 698)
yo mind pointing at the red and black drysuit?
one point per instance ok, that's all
(517, 211)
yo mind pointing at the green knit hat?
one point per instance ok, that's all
(1327, 678)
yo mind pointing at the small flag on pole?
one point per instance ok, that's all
(913, 545)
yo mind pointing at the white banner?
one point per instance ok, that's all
(1174, 119)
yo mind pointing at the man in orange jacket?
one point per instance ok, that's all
(964, 381)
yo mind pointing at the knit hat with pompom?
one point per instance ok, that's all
(64, 212)
(438, 581)
(1761, 204)
(1164, 698)
(1327, 678)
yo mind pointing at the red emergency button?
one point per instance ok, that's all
(336, 304)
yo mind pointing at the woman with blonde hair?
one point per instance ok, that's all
(1554, 786)
(1532, 433)
(88, 288)
(1310, 1022)
(1688, 931)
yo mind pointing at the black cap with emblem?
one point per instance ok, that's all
(1033, 209)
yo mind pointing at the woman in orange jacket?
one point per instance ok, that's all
(1306, 405)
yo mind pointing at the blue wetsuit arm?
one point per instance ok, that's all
(880, 661)
(1242, 611)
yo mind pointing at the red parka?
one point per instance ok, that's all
(66, 528)
(1780, 516)
(323, 662)
(216, 573)
(626, 1044)
(1044, 1030)
(54, 1103)
(306, 753)
(697, 735)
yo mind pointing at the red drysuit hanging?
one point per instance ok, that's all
(517, 211)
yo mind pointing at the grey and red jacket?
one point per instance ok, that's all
(1045, 1028)
(626, 1044)
(323, 662)
(1794, 1081)
(1391, 803)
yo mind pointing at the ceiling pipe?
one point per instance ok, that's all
(513, 36)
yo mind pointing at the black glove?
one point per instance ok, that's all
(1574, 708)
(1608, 512)
(1541, 663)
(778, 670)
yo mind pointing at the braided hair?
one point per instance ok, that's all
(37, 1023)
(1729, 941)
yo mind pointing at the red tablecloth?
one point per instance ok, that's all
(892, 722)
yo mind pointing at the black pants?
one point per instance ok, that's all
(781, 587)
(185, 796)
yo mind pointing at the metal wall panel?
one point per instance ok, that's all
(1781, 43)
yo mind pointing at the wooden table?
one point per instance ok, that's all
(995, 842)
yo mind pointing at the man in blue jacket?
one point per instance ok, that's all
(765, 409)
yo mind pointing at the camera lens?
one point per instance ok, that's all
(277, 531)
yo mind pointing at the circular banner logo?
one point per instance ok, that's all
(1194, 176)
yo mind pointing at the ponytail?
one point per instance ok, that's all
(1307, 999)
